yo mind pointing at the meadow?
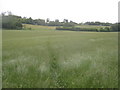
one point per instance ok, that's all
(59, 59)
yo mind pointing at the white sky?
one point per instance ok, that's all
(75, 10)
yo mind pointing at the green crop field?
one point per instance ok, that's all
(50, 59)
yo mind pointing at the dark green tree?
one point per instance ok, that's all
(115, 27)
(11, 21)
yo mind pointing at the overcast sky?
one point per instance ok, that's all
(75, 10)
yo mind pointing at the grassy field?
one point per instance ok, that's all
(38, 27)
(40, 59)
(92, 26)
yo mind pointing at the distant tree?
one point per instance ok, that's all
(65, 20)
(11, 22)
(56, 20)
(48, 20)
(98, 23)
(115, 27)
(39, 21)
(24, 20)
(52, 23)
(29, 21)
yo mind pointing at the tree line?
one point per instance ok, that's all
(10, 21)
(98, 23)
(113, 28)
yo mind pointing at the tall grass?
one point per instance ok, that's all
(58, 59)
